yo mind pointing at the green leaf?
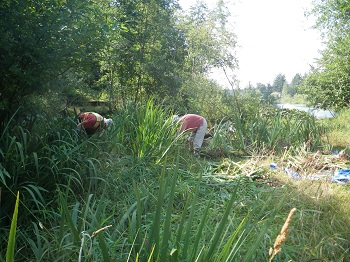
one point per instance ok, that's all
(10, 252)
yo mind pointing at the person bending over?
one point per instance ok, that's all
(197, 125)
(92, 122)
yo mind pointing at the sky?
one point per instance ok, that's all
(273, 36)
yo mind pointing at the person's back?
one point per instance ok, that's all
(191, 122)
(197, 125)
(91, 122)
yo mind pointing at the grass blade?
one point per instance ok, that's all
(10, 252)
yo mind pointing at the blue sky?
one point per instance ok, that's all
(273, 37)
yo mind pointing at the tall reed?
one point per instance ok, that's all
(36, 163)
(270, 131)
(10, 251)
(144, 131)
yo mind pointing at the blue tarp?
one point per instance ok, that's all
(292, 174)
(341, 176)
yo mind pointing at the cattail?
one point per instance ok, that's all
(281, 238)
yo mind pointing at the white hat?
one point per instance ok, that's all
(175, 119)
(108, 122)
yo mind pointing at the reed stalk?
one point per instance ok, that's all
(282, 236)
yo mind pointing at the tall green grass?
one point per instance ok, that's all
(36, 164)
(154, 228)
(10, 251)
(143, 131)
(339, 130)
(272, 131)
(138, 194)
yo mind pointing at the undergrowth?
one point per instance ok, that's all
(138, 194)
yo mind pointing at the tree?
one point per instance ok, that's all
(211, 42)
(278, 83)
(293, 87)
(328, 84)
(40, 41)
(152, 49)
(266, 92)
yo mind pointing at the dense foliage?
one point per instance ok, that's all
(142, 188)
(41, 42)
(58, 53)
(138, 194)
(328, 83)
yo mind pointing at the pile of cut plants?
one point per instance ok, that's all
(319, 165)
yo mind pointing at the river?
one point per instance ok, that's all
(318, 113)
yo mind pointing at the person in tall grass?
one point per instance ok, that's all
(92, 122)
(195, 124)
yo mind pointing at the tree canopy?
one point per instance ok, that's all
(41, 41)
(58, 51)
(328, 84)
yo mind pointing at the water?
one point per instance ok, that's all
(318, 113)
